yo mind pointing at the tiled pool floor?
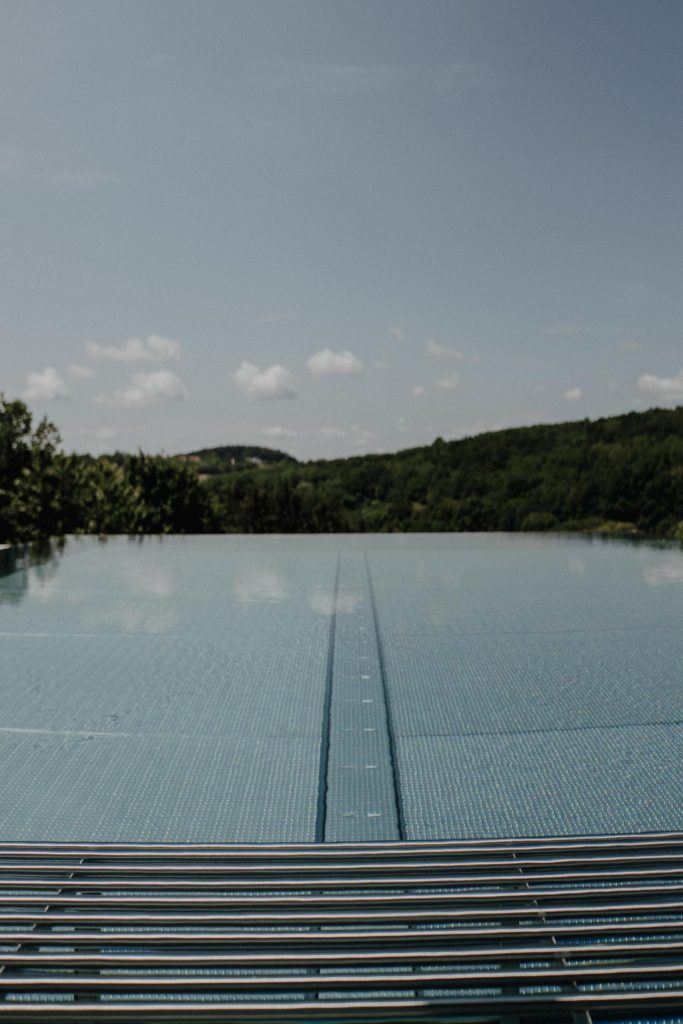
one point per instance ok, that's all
(359, 687)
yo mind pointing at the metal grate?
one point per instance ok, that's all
(533, 930)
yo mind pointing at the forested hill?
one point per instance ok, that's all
(620, 474)
(228, 458)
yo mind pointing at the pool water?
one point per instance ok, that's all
(274, 689)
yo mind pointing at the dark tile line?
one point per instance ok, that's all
(393, 754)
(540, 730)
(321, 812)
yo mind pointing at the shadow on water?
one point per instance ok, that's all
(41, 557)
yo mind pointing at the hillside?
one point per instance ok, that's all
(622, 473)
(228, 458)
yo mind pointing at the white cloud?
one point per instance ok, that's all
(573, 394)
(448, 383)
(360, 437)
(146, 388)
(613, 386)
(562, 330)
(419, 390)
(44, 386)
(163, 348)
(432, 348)
(334, 432)
(328, 361)
(133, 350)
(668, 389)
(273, 382)
(101, 433)
(357, 435)
(98, 438)
(398, 333)
(472, 429)
(130, 351)
(80, 372)
(278, 433)
(631, 345)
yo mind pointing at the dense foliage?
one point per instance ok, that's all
(44, 492)
(622, 474)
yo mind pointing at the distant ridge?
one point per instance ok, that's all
(619, 474)
(226, 458)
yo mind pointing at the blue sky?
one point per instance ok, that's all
(335, 226)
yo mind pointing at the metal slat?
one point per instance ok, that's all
(171, 882)
(341, 957)
(534, 1008)
(239, 865)
(318, 938)
(646, 974)
(538, 929)
(331, 851)
(578, 900)
(403, 849)
(195, 920)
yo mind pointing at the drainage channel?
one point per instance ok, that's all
(362, 800)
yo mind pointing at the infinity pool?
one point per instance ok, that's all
(336, 688)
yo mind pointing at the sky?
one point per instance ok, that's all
(338, 226)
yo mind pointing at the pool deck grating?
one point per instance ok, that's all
(480, 930)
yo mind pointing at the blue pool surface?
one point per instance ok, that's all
(274, 689)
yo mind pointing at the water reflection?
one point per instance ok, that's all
(255, 585)
(42, 558)
(125, 592)
(322, 601)
(148, 604)
(576, 567)
(133, 618)
(666, 573)
(148, 579)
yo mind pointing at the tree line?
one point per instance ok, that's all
(47, 493)
(618, 474)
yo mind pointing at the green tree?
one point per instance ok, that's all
(30, 475)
